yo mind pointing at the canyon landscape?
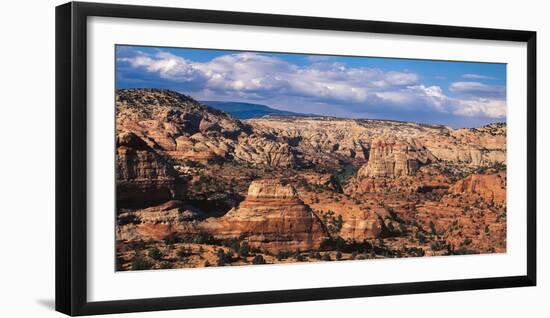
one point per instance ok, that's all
(197, 186)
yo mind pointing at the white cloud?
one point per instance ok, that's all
(253, 76)
(478, 77)
(265, 75)
(432, 95)
(482, 107)
(477, 89)
(411, 97)
(400, 78)
(319, 58)
(166, 65)
(478, 99)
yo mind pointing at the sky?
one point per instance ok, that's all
(453, 93)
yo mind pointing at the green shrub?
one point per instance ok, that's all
(339, 244)
(203, 238)
(283, 255)
(165, 265)
(171, 240)
(155, 253)
(326, 257)
(462, 251)
(137, 245)
(224, 257)
(421, 237)
(233, 244)
(184, 252)
(139, 263)
(437, 246)
(244, 250)
(258, 260)
(334, 223)
(299, 257)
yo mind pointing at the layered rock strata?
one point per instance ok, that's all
(172, 218)
(323, 140)
(272, 217)
(490, 187)
(143, 177)
(181, 128)
(390, 157)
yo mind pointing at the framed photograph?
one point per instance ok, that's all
(208, 158)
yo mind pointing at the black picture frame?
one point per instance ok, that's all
(71, 157)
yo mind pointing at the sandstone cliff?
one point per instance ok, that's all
(390, 157)
(172, 218)
(183, 129)
(260, 151)
(490, 187)
(176, 126)
(326, 140)
(143, 176)
(271, 217)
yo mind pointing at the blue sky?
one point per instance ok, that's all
(458, 94)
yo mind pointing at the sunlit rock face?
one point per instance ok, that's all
(490, 187)
(391, 157)
(272, 217)
(181, 128)
(172, 218)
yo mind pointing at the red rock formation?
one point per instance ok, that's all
(179, 127)
(143, 177)
(491, 187)
(158, 222)
(360, 226)
(271, 217)
(261, 151)
(404, 190)
(389, 157)
(363, 185)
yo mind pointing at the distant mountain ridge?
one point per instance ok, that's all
(247, 110)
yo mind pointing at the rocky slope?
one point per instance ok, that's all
(144, 176)
(325, 139)
(179, 128)
(389, 157)
(195, 178)
(172, 218)
(272, 217)
(182, 129)
(491, 187)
